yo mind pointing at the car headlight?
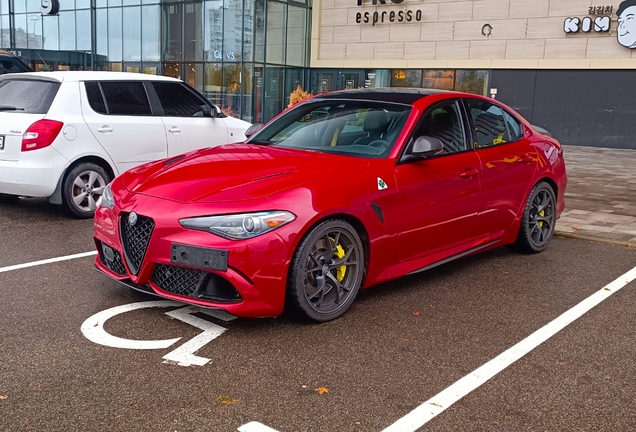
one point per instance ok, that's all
(106, 200)
(240, 226)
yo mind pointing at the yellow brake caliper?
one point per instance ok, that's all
(542, 214)
(342, 270)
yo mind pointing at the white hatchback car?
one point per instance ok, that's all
(66, 135)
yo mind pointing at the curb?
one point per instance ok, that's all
(625, 243)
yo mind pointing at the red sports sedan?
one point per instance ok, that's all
(344, 191)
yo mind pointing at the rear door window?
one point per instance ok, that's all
(27, 96)
(125, 98)
(178, 101)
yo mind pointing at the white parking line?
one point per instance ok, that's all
(47, 261)
(443, 400)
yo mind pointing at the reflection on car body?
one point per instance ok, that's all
(344, 191)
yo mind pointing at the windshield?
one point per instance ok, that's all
(352, 127)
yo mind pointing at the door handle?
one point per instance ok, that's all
(469, 173)
(174, 130)
(105, 129)
(525, 159)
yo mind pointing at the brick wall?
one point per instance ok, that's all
(525, 34)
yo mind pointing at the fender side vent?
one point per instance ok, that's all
(378, 211)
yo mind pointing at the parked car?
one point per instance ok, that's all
(66, 135)
(12, 64)
(343, 191)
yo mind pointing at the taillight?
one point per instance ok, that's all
(41, 134)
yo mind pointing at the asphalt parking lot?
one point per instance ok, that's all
(400, 347)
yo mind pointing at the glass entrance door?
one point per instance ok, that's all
(323, 81)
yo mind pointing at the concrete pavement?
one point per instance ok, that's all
(600, 200)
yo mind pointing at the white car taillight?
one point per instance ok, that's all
(41, 134)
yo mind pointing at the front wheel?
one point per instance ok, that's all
(539, 220)
(327, 270)
(82, 188)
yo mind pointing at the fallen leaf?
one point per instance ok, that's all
(322, 390)
(575, 228)
(416, 313)
(226, 400)
(3, 397)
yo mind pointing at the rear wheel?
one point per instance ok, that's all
(539, 219)
(82, 188)
(327, 271)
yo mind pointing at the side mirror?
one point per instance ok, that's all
(426, 146)
(542, 131)
(216, 111)
(253, 129)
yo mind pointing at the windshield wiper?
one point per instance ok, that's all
(10, 108)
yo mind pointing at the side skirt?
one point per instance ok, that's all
(454, 257)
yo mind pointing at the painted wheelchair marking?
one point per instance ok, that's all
(93, 330)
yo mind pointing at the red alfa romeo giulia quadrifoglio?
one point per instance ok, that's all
(344, 191)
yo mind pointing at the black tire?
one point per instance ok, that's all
(327, 271)
(4, 198)
(82, 187)
(538, 221)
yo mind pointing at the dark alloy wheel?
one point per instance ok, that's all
(327, 271)
(539, 219)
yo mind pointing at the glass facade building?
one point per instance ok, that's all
(216, 46)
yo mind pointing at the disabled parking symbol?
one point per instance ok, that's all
(184, 355)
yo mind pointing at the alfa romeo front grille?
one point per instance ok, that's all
(135, 236)
(177, 280)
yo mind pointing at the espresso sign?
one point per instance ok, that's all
(376, 16)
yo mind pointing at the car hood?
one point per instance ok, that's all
(236, 172)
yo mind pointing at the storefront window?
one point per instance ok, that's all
(259, 31)
(274, 96)
(258, 94)
(83, 30)
(172, 35)
(5, 40)
(296, 36)
(19, 6)
(132, 34)
(20, 31)
(194, 76)
(248, 31)
(34, 36)
(275, 33)
(231, 97)
(233, 31)
(213, 30)
(406, 78)
(472, 81)
(293, 79)
(193, 32)
(114, 35)
(213, 82)
(101, 31)
(150, 30)
(248, 90)
(439, 79)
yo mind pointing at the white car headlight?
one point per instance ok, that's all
(106, 200)
(240, 226)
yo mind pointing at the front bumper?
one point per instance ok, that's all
(252, 284)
